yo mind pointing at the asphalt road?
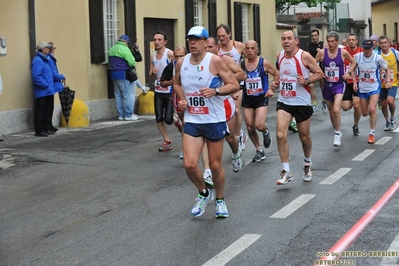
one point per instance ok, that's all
(104, 195)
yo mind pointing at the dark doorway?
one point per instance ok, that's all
(151, 26)
(303, 36)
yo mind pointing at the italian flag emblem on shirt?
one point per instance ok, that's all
(200, 68)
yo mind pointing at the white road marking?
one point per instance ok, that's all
(293, 206)
(233, 250)
(393, 247)
(334, 177)
(382, 141)
(396, 130)
(363, 155)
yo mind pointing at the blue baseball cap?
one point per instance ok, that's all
(199, 32)
(367, 43)
(124, 38)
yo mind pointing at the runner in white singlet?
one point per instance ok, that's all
(201, 82)
(369, 64)
(239, 74)
(294, 100)
(235, 50)
(163, 95)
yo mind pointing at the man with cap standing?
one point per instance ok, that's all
(120, 61)
(43, 89)
(369, 65)
(206, 80)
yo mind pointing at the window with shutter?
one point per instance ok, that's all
(130, 20)
(212, 17)
(96, 31)
(256, 10)
(237, 21)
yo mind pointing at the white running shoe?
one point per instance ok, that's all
(132, 118)
(200, 204)
(337, 139)
(237, 164)
(307, 172)
(208, 179)
(242, 139)
(221, 209)
(285, 177)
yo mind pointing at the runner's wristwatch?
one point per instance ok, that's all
(217, 91)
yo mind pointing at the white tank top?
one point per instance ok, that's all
(201, 110)
(161, 64)
(233, 53)
(369, 71)
(291, 92)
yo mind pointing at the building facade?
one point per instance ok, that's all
(385, 18)
(84, 30)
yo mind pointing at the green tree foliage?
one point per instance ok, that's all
(283, 5)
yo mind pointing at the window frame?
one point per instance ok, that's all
(111, 25)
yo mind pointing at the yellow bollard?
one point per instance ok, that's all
(79, 115)
(145, 104)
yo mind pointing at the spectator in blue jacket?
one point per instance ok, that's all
(58, 86)
(120, 60)
(43, 88)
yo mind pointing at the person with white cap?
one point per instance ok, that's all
(370, 65)
(202, 80)
(376, 46)
(121, 60)
(43, 89)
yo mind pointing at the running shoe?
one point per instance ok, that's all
(337, 139)
(237, 164)
(324, 106)
(355, 130)
(208, 179)
(181, 155)
(221, 209)
(241, 140)
(145, 89)
(371, 139)
(285, 177)
(315, 108)
(132, 118)
(293, 127)
(393, 123)
(267, 140)
(387, 126)
(200, 204)
(166, 146)
(259, 156)
(120, 118)
(307, 172)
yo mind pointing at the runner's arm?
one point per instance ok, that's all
(313, 66)
(268, 67)
(177, 86)
(218, 67)
(238, 73)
